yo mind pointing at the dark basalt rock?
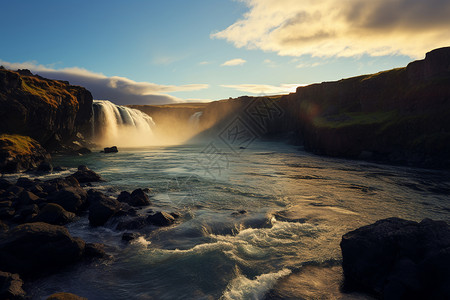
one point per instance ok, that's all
(85, 175)
(101, 208)
(11, 286)
(45, 167)
(65, 296)
(399, 259)
(112, 149)
(129, 236)
(161, 219)
(34, 249)
(134, 223)
(71, 198)
(136, 198)
(94, 250)
(4, 184)
(55, 214)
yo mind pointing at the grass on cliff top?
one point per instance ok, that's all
(354, 119)
(17, 144)
(50, 91)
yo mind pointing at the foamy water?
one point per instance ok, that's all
(271, 213)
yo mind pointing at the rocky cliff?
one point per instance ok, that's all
(52, 112)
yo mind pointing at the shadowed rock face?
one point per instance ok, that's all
(50, 111)
(399, 259)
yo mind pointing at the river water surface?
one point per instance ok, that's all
(265, 222)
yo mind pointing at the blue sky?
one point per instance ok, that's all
(165, 51)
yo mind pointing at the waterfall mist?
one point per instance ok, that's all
(129, 127)
(121, 126)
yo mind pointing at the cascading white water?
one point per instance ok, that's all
(121, 126)
(194, 120)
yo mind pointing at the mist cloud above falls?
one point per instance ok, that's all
(342, 28)
(119, 90)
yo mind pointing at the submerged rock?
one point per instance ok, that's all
(34, 249)
(11, 286)
(94, 250)
(399, 259)
(129, 236)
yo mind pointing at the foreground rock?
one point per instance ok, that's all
(11, 286)
(34, 249)
(399, 259)
(85, 175)
(101, 208)
(54, 214)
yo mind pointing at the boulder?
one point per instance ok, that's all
(129, 236)
(11, 286)
(24, 182)
(35, 249)
(136, 198)
(85, 175)
(396, 258)
(161, 219)
(112, 149)
(45, 167)
(55, 214)
(101, 208)
(94, 250)
(134, 223)
(71, 198)
(65, 296)
(4, 184)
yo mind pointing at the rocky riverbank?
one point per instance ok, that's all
(33, 240)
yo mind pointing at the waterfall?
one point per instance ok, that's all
(194, 120)
(121, 126)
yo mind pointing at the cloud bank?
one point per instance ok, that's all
(234, 62)
(264, 89)
(119, 90)
(327, 28)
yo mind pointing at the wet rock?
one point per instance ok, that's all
(45, 167)
(55, 214)
(112, 149)
(26, 197)
(4, 184)
(34, 249)
(129, 236)
(6, 212)
(65, 296)
(133, 223)
(72, 199)
(94, 250)
(101, 208)
(24, 182)
(175, 215)
(395, 258)
(161, 219)
(136, 198)
(16, 190)
(26, 213)
(3, 227)
(11, 286)
(84, 175)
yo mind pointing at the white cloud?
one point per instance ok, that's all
(342, 28)
(120, 90)
(202, 63)
(262, 89)
(234, 62)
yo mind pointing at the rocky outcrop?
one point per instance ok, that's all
(137, 198)
(21, 153)
(85, 175)
(399, 259)
(52, 112)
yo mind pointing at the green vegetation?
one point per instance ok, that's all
(16, 144)
(52, 92)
